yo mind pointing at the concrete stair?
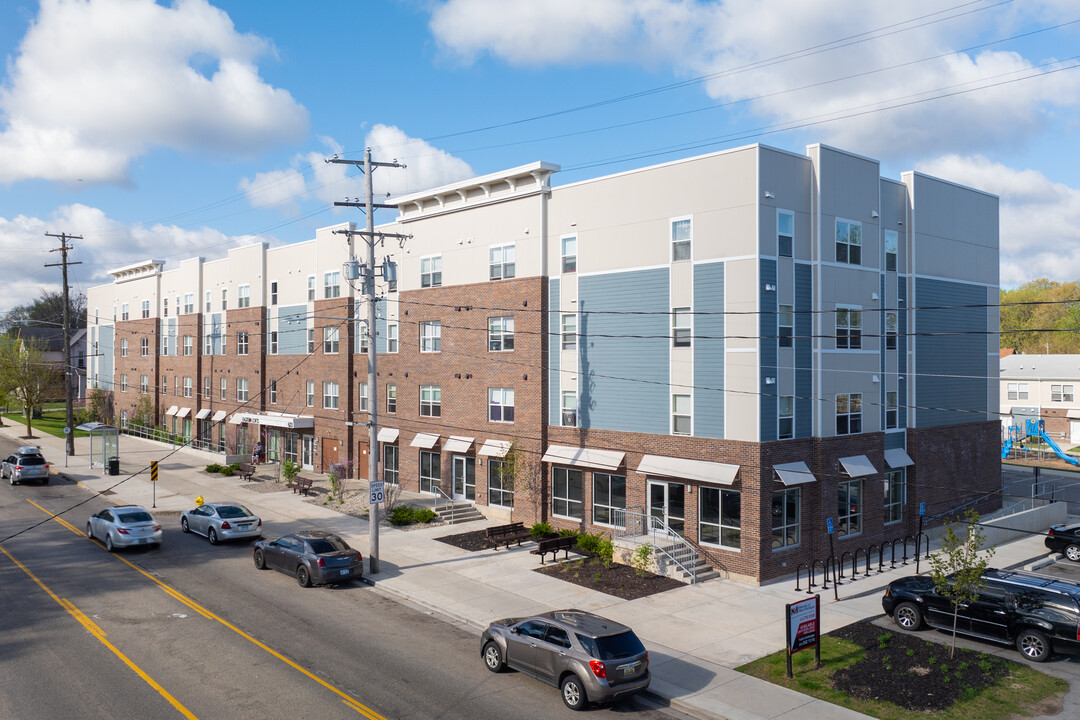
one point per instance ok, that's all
(702, 569)
(463, 512)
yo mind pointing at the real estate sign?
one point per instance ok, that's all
(803, 628)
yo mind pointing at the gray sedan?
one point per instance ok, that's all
(221, 521)
(312, 556)
(124, 526)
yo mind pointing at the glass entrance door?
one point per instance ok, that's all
(464, 477)
(307, 452)
(667, 504)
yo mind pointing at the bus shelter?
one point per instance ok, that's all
(104, 446)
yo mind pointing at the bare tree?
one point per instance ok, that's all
(523, 474)
(957, 569)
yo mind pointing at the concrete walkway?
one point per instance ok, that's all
(696, 635)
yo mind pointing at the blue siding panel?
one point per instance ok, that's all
(172, 336)
(895, 441)
(804, 351)
(554, 391)
(624, 379)
(292, 330)
(106, 348)
(881, 350)
(767, 345)
(902, 353)
(709, 350)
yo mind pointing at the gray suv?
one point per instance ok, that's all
(589, 658)
(26, 464)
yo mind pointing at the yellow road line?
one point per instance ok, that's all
(176, 594)
(97, 632)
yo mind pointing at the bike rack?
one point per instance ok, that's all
(847, 554)
(855, 562)
(809, 582)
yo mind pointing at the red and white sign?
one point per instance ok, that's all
(802, 624)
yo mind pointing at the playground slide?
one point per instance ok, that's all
(1006, 448)
(1053, 446)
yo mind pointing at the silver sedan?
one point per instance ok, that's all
(124, 526)
(221, 521)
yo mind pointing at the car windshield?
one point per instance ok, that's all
(32, 460)
(612, 647)
(233, 511)
(134, 517)
(327, 545)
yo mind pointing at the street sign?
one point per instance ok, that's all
(377, 495)
(67, 430)
(922, 509)
(153, 470)
(829, 525)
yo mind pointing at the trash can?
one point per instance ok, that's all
(114, 466)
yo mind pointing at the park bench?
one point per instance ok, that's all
(566, 543)
(246, 471)
(506, 534)
(300, 484)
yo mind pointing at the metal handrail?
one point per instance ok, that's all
(449, 502)
(634, 525)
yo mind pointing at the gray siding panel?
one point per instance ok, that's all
(950, 368)
(895, 441)
(881, 350)
(767, 344)
(624, 359)
(709, 350)
(554, 391)
(106, 348)
(902, 325)
(804, 351)
(292, 330)
(380, 327)
(172, 336)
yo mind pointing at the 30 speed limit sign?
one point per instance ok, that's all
(377, 495)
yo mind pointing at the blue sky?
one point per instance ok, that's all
(175, 129)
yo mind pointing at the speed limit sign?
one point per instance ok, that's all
(377, 495)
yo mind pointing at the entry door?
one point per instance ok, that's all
(1074, 432)
(464, 477)
(307, 452)
(329, 453)
(362, 461)
(667, 503)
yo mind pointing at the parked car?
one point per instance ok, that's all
(312, 556)
(589, 658)
(27, 463)
(1037, 613)
(1065, 539)
(124, 526)
(221, 521)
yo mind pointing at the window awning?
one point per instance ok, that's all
(495, 448)
(583, 457)
(1073, 414)
(858, 466)
(898, 458)
(183, 412)
(236, 419)
(388, 435)
(424, 440)
(795, 473)
(172, 410)
(202, 414)
(1006, 409)
(458, 444)
(700, 470)
(219, 416)
(275, 420)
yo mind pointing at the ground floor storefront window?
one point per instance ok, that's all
(609, 499)
(786, 518)
(895, 495)
(430, 471)
(390, 464)
(720, 514)
(566, 492)
(849, 508)
(500, 486)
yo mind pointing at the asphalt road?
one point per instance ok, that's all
(193, 630)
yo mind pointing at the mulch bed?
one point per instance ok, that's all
(471, 541)
(912, 672)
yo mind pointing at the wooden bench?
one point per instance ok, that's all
(300, 484)
(247, 471)
(553, 545)
(506, 534)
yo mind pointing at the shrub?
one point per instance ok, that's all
(401, 515)
(642, 559)
(589, 543)
(541, 530)
(606, 551)
(289, 470)
(423, 515)
(565, 532)
(233, 468)
(228, 471)
(213, 468)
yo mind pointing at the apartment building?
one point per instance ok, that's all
(1042, 387)
(741, 346)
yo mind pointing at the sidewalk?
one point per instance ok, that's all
(696, 635)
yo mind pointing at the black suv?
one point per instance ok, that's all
(1038, 614)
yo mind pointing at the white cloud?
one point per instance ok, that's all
(98, 83)
(1040, 218)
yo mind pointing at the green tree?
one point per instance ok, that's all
(98, 406)
(143, 414)
(47, 311)
(522, 473)
(26, 375)
(1041, 316)
(957, 568)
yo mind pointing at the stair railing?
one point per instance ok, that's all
(635, 526)
(440, 495)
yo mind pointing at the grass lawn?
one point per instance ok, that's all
(864, 664)
(51, 423)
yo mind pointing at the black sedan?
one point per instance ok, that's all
(1065, 539)
(312, 556)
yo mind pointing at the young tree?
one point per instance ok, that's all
(523, 474)
(143, 414)
(25, 374)
(957, 568)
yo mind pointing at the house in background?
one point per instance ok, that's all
(1042, 386)
(51, 341)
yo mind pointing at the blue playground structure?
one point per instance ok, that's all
(1033, 428)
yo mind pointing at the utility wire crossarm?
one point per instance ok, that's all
(69, 416)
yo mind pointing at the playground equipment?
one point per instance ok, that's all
(1013, 435)
(1036, 428)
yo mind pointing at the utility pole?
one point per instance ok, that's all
(368, 292)
(69, 438)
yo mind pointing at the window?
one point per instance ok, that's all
(272, 392)
(390, 464)
(206, 387)
(1061, 393)
(311, 341)
(890, 330)
(680, 327)
(164, 309)
(123, 383)
(500, 334)
(786, 520)
(123, 418)
(569, 408)
(721, 517)
(311, 393)
(681, 235)
(848, 242)
(391, 337)
(430, 401)
(430, 337)
(164, 344)
(362, 397)
(145, 309)
(189, 303)
(895, 495)
(176, 385)
(1017, 391)
(144, 384)
(273, 293)
(332, 284)
(243, 296)
(124, 311)
(241, 389)
(785, 325)
(331, 340)
(849, 414)
(848, 329)
(892, 241)
(391, 398)
(849, 508)
(144, 346)
(224, 392)
(430, 471)
(501, 404)
(241, 343)
(569, 331)
(311, 288)
(224, 299)
(500, 484)
(123, 347)
(786, 413)
(785, 233)
(189, 344)
(362, 336)
(501, 262)
(208, 301)
(680, 415)
(431, 271)
(164, 384)
(890, 410)
(330, 395)
(566, 492)
(569, 254)
(188, 386)
(608, 499)
(273, 342)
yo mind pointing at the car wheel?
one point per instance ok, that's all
(573, 693)
(211, 535)
(303, 577)
(184, 527)
(493, 657)
(1033, 645)
(1073, 553)
(89, 531)
(108, 543)
(260, 561)
(45, 480)
(908, 616)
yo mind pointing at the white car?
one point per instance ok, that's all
(221, 521)
(124, 526)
